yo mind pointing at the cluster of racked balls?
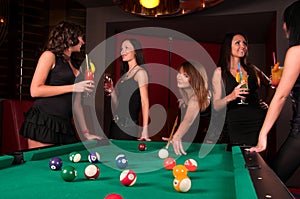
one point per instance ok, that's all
(69, 173)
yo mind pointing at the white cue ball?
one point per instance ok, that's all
(163, 153)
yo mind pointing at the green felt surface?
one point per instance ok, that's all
(216, 176)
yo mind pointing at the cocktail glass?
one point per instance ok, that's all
(89, 75)
(276, 76)
(108, 84)
(244, 80)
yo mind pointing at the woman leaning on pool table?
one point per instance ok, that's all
(193, 88)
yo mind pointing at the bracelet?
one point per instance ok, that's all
(86, 131)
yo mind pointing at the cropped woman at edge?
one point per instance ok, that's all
(287, 159)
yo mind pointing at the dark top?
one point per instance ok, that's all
(60, 105)
(243, 122)
(295, 96)
(197, 131)
(125, 125)
(129, 98)
(49, 120)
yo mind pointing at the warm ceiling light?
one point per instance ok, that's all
(149, 3)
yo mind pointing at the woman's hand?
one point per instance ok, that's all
(84, 86)
(92, 137)
(238, 92)
(261, 145)
(177, 145)
(145, 135)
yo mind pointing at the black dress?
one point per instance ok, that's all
(243, 122)
(49, 120)
(287, 160)
(125, 120)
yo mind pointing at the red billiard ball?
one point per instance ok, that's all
(142, 146)
(113, 196)
(191, 164)
(128, 177)
(169, 163)
(92, 172)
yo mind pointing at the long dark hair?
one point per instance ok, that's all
(139, 55)
(63, 36)
(225, 55)
(291, 17)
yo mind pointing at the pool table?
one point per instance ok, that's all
(221, 173)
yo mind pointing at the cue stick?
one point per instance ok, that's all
(172, 132)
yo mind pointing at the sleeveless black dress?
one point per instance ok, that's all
(287, 160)
(243, 122)
(49, 120)
(125, 119)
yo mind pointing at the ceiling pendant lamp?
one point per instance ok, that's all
(149, 3)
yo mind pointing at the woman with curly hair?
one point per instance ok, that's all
(48, 122)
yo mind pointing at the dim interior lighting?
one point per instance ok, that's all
(149, 3)
(165, 8)
(1, 20)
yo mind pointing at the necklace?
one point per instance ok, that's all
(129, 72)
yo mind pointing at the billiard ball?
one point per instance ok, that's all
(55, 163)
(163, 153)
(142, 146)
(68, 173)
(113, 196)
(191, 164)
(128, 177)
(92, 172)
(121, 161)
(94, 157)
(179, 170)
(182, 184)
(75, 157)
(169, 163)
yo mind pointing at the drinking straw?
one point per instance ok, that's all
(274, 58)
(86, 61)
(240, 71)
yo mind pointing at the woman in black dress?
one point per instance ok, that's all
(243, 121)
(287, 160)
(131, 95)
(48, 122)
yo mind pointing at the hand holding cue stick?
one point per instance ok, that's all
(172, 132)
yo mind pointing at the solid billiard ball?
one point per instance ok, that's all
(179, 170)
(169, 163)
(68, 173)
(92, 172)
(121, 161)
(94, 157)
(182, 184)
(142, 146)
(113, 196)
(55, 163)
(163, 153)
(191, 164)
(128, 177)
(74, 156)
